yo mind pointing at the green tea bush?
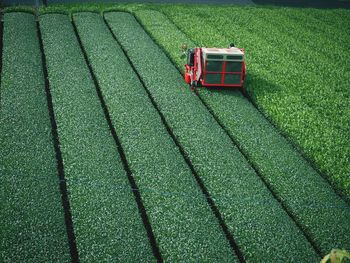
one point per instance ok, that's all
(302, 92)
(256, 220)
(106, 220)
(312, 201)
(183, 224)
(32, 220)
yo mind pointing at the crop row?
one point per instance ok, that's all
(336, 18)
(309, 68)
(306, 195)
(278, 60)
(106, 220)
(183, 224)
(32, 218)
(308, 49)
(312, 37)
(256, 220)
(279, 88)
(300, 16)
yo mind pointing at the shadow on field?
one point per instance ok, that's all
(306, 3)
(253, 85)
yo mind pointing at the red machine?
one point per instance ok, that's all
(215, 67)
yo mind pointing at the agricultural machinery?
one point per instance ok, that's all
(215, 67)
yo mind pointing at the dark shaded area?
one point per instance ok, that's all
(285, 3)
(21, 2)
(48, 2)
(306, 3)
(1, 44)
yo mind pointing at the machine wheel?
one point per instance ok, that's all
(196, 84)
(192, 85)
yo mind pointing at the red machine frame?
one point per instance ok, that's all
(195, 76)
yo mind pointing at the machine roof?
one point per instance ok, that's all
(222, 51)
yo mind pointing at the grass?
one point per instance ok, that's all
(174, 204)
(220, 165)
(106, 221)
(292, 179)
(32, 219)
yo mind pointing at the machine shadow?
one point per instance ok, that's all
(324, 4)
(254, 86)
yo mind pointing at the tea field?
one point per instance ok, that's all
(108, 156)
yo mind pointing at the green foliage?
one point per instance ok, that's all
(184, 226)
(257, 221)
(310, 199)
(72, 8)
(19, 8)
(106, 220)
(32, 221)
(297, 78)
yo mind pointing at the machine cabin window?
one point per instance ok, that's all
(214, 65)
(190, 58)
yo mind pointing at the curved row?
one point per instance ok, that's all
(254, 217)
(280, 89)
(306, 195)
(32, 218)
(106, 220)
(184, 227)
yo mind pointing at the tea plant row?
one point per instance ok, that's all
(287, 173)
(245, 203)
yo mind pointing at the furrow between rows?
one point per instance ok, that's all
(323, 217)
(106, 220)
(256, 220)
(1, 45)
(32, 218)
(183, 225)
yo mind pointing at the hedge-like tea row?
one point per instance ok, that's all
(314, 58)
(31, 214)
(320, 211)
(291, 95)
(106, 220)
(312, 24)
(257, 221)
(183, 224)
(318, 113)
(335, 18)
